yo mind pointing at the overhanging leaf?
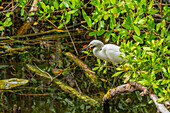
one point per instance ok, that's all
(137, 39)
(137, 30)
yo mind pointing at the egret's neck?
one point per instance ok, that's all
(96, 51)
(99, 53)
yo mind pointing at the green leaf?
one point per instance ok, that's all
(68, 17)
(8, 14)
(93, 33)
(160, 99)
(100, 32)
(72, 11)
(107, 35)
(22, 11)
(87, 18)
(43, 6)
(102, 24)
(89, 22)
(166, 15)
(105, 71)
(84, 13)
(163, 23)
(106, 16)
(7, 22)
(158, 26)
(163, 31)
(56, 5)
(137, 30)
(65, 2)
(141, 21)
(31, 14)
(96, 68)
(127, 8)
(147, 48)
(152, 75)
(137, 39)
(34, 80)
(117, 73)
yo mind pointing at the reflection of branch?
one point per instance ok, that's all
(131, 87)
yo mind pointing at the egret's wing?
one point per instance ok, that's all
(114, 56)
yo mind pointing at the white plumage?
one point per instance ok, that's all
(108, 52)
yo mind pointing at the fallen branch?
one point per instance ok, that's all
(131, 87)
(161, 108)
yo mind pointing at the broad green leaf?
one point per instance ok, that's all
(100, 32)
(43, 6)
(22, 11)
(68, 17)
(163, 23)
(34, 80)
(106, 16)
(105, 71)
(7, 22)
(166, 15)
(126, 78)
(107, 35)
(160, 42)
(163, 31)
(96, 68)
(102, 24)
(160, 99)
(127, 8)
(65, 2)
(87, 18)
(141, 21)
(117, 73)
(147, 48)
(93, 33)
(158, 26)
(150, 5)
(153, 75)
(84, 13)
(8, 14)
(89, 22)
(56, 5)
(137, 30)
(137, 39)
(72, 11)
(31, 14)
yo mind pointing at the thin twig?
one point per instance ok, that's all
(44, 71)
(70, 38)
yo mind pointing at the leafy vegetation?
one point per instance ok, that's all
(53, 27)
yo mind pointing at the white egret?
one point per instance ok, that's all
(108, 52)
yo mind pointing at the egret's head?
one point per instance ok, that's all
(94, 43)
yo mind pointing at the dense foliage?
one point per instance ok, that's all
(139, 27)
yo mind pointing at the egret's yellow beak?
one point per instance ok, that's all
(86, 47)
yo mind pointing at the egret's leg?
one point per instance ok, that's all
(115, 78)
(114, 81)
